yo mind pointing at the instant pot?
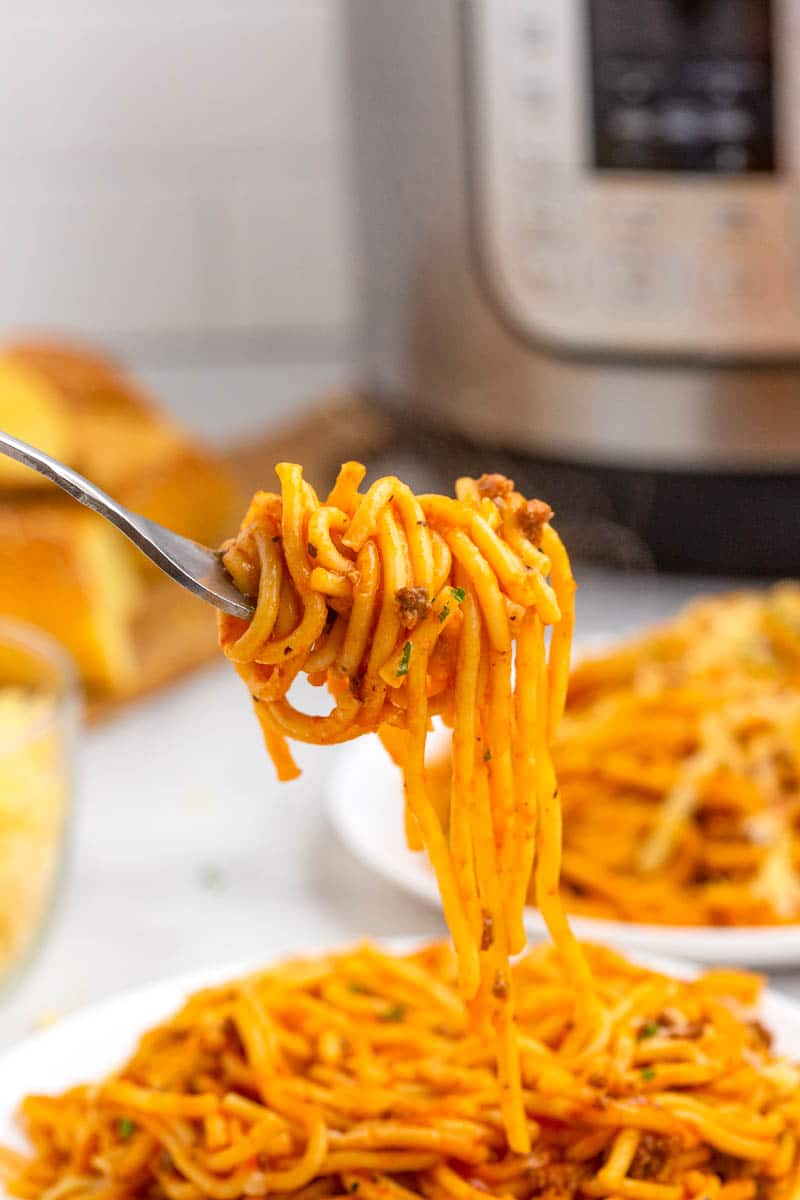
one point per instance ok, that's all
(580, 249)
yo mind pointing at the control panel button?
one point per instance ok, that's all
(532, 160)
(634, 85)
(750, 286)
(732, 283)
(622, 220)
(536, 91)
(534, 26)
(545, 250)
(632, 124)
(732, 159)
(632, 283)
(682, 124)
(730, 124)
(730, 217)
(545, 278)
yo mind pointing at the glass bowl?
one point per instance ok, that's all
(39, 705)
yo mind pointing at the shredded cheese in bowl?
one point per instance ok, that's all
(36, 726)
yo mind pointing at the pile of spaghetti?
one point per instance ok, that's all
(360, 1074)
(688, 739)
(408, 606)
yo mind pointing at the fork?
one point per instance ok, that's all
(197, 568)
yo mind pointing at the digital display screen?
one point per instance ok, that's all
(682, 85)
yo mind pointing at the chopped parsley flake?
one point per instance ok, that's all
(487, 755)
(458, 593)
(402, 666)
(444, 614)
(211, 877)
(126, 1128)
(355, 985)
(649, 1073)
(395, 1013)
(649, 1030)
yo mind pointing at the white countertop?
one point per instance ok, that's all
(187, 853)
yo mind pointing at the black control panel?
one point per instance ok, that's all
(682, 85)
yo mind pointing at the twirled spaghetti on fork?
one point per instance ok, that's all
(409, 606)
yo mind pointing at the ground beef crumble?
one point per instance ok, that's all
(413, 604)
(495, 487)
(653, 1155)
(555, 1181)
(532, 517)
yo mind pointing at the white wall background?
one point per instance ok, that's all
(173, 184)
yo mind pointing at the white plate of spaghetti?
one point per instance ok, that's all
(354, 1071)
(364, 805)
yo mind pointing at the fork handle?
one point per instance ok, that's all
(193, 566)
(80, 488)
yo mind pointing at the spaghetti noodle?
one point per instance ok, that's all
(359, 1074)
(409, 606)
(690, 737)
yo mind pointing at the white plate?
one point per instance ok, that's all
(88, 1045)
(364, 804)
